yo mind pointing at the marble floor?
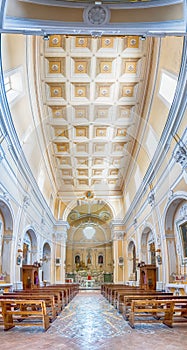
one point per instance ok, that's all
(89, 322)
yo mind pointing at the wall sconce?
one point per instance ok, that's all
(46, 37)
(120, 261)
(159, 258)
(44, 259)
(18, 260)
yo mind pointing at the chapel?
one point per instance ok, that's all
(93, 147)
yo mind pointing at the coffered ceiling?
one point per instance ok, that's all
(93, 91)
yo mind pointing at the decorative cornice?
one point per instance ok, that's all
(115, 4)
(41, 27)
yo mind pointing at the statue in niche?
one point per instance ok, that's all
(77, 259)
(89, 259)
(100, 259)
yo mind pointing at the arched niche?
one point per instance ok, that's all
(176, 240)
(148, 251)
(6, 234)
(46, 262)
(29, 247)
(132, 274)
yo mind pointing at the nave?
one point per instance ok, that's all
(89, 322)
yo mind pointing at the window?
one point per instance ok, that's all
(167, 87)
(13, 81)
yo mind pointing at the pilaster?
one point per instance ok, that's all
(118, 232)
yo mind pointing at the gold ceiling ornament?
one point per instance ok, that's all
(89, 194)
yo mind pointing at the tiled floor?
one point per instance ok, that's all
(89, 322)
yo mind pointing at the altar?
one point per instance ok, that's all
(89, 283)
(177, 288)
(4, 287)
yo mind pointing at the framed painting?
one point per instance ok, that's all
(183, 232)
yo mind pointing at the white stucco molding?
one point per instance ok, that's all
(117, 230)
(60, 231)
(180, 156)
(115, 5)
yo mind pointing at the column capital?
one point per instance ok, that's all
(60, 230)
(117, 235)
(180, 156)
(117, 229)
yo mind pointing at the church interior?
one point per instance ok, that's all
(93, 173)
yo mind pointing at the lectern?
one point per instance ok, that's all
(148, 277)
(30, 276)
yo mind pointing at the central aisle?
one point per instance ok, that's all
(89, 318)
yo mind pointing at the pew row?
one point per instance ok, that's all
(168, 311)
(24, 312)
(151, 311)
(127, 301)
(51, 306)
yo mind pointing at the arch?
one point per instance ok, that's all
(73, 204)
(132, 273)
(175, 263)
(147, 245)
(46, 259)
(29, 246)
(7, 213)
(6, 230)
(171, 206)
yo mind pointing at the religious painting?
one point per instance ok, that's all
(77, 259)
(183, 232)
(89, 259)
(100, 259)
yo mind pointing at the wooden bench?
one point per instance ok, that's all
(107, 288)
(59, 303)
(119, 297)
(117, 294)
(179, 301)
(151, 311)
(52, 309)
(64, 293)
(24, 313)
(111, 291)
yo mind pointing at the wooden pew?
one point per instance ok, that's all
(111, 290)
(126, 289)
(119, 296)
(73, 288)
(58, 294)
(128, 300)
(105, 288)
(24, 313)
(52, 310)
(151, 311)
(143, 308)
(65, 292)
